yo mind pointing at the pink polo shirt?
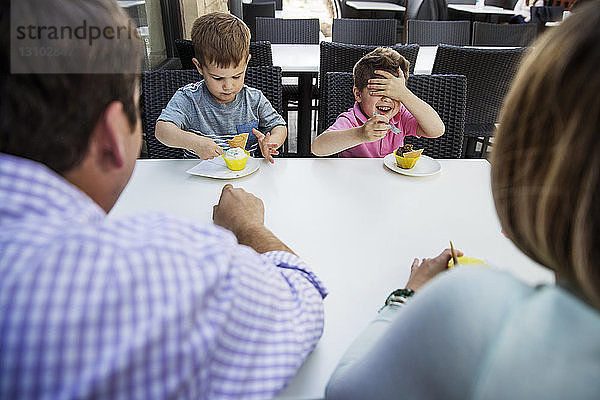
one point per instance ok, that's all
(354, 117)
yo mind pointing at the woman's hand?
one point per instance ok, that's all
(421, 273)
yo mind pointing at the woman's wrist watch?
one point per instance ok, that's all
(399, 297)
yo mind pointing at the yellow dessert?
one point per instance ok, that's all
(236, 158)
(406, 156)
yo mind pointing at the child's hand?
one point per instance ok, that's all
(375, 128)
(389, 86)
(429, 267)
(207, 149)
(267, 148)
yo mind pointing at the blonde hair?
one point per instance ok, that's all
(220, 38)
(546, 158)
(382, 58)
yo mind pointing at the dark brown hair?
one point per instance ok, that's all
(546, 158)
(382, 58)
(220, 38)
(50, 117)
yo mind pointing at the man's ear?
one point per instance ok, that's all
(197, 64)
(248, 60)
(356, 92)
(108, 144)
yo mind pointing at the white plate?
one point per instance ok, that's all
(216, 168)
(425, 166)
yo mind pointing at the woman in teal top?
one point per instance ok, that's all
(477, 333)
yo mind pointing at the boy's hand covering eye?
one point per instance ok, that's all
(389, 85)
(267, 148)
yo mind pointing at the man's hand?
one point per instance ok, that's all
(267, 148)
(207, 149)
(238, 210)
(375, 128)
(389, 86)
(429, 267)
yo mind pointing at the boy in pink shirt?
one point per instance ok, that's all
(382, 101)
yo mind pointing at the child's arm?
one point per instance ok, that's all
(430, 123)
(331, 142)
(270, 142)
(170, 135)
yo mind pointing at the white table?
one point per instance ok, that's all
(345, 218)
(375, 6)
(474, 9)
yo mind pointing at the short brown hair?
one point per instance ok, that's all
(546, 157)
(49, 118)
(220, 38)
(383, 58)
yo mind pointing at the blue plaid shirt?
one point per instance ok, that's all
(149, 307)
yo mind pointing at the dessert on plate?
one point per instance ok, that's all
(236, 158)
(406, 156)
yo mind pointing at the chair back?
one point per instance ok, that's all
(381, 32)
(341, 57)
(159, 86)
(432, 10)
(489, 75)
(260, 52)
(432, 33)
(566, 4)
(543, 14)
(288, 31)
(278, 3)
(494, 3)
(445, 93)
(251, 11)
(486, 34)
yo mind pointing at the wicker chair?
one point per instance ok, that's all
(341, 57)
(158, 87)
(278, 3)
(489, 75)
(486, 34)
(253, 10)
(432, 33)
(381, 32)
(290, 31)
(445, 93)
(260, 52)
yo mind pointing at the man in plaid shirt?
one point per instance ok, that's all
(148, 307)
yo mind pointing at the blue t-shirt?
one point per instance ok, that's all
(193, 109)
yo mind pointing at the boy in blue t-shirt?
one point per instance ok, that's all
(201, 116)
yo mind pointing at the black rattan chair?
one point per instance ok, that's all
(251, 11)
(278, 3)
(158, 87)
(260, 52)
(432, 33)
(289, 31)
(489, 75)
(381, 32)
(445, 93)
(341, 57)
(486, 34)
